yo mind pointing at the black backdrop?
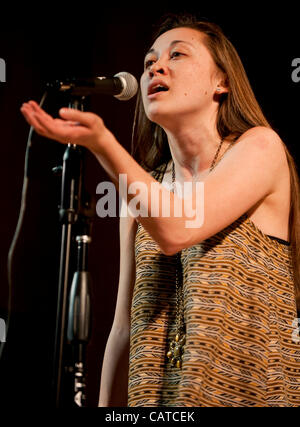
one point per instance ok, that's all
(39, 45)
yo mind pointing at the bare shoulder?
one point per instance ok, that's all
(271, 213)
(263, 132)
(265, 140)
(267, 146)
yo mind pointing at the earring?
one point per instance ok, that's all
(218, 89)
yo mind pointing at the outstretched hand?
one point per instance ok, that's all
(75, 127)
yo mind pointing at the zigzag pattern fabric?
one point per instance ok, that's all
(239, 308)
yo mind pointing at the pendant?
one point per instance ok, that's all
(176, 350)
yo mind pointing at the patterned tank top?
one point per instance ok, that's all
(242, 347)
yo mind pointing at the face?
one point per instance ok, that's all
(180, 77)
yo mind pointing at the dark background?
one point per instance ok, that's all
(57, 41)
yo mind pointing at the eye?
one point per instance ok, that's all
(176, 54)
(149, 62)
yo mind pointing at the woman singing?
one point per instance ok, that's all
(205, 314)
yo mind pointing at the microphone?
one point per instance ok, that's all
(122, 86)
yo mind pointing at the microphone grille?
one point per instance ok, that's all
(130, 86)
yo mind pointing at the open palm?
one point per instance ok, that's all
(76, 127)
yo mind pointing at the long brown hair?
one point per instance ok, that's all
(238, 112)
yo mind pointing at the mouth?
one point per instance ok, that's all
(156, 88)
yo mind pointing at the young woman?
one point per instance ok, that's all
(205, 313)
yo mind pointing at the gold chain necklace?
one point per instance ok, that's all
(176, 348)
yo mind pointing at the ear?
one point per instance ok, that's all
(222, 86)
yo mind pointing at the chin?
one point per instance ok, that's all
(159, 115)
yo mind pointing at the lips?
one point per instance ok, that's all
(156, 87)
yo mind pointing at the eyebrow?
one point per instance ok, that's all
(171, 44)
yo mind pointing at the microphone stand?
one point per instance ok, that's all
(79, 321)
(75, 216)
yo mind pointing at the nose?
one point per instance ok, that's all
(157, 68)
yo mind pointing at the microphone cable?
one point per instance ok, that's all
(18, 230)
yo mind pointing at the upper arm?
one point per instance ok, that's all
(241, 179)
(127, 227)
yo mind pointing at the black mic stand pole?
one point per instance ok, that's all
(79, 321)
(68, 213)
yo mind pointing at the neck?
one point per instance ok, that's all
(193, 149)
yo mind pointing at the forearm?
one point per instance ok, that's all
(87, 129)
(114, 377)
(163, 228)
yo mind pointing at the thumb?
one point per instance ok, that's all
(76, 115)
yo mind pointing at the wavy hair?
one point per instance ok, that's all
(238, 111)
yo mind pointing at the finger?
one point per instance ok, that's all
(69, 114)
(37, 109)
(40, 112)
(34, 108)
(85, 119)
(70, 123)
(42, 123)
(27, 117)
(29, 112)
(60, 130)
(35, 105)
(31, 120)
(57, 130)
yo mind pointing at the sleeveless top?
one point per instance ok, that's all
(242, 348)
